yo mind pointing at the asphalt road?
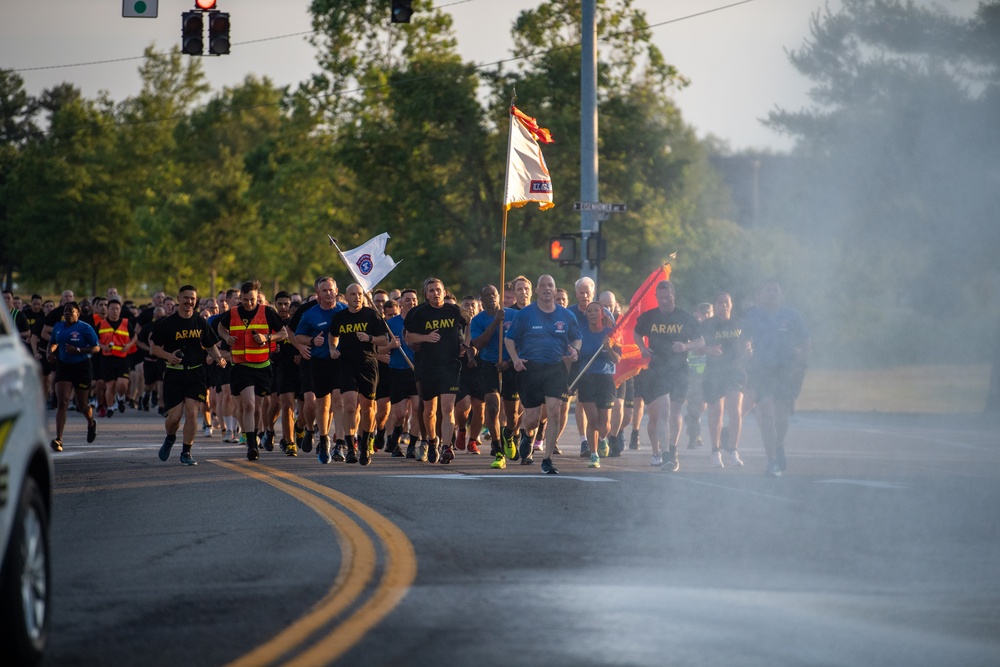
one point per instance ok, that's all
(879, 546)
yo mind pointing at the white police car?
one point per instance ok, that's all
(25, 503)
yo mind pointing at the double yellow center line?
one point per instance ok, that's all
(357, 567)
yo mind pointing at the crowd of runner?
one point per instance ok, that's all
(422, 374)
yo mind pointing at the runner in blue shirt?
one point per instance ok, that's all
(71, 343)
(486, 332)
(542, 337)
(313, 330)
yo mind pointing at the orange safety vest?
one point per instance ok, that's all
(245, 350)
(118, 338)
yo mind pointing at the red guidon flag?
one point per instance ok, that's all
(527, 176)
(644, 299)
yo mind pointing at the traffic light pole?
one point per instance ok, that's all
(588, 132)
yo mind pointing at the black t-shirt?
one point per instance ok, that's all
(730, 335)
(191, 336)
(143, 338)
(35, 321)
(662, 330)
(346, 325)
(447, 320)
(284, 353)
(293, 324)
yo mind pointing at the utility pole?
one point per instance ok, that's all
(588, 131)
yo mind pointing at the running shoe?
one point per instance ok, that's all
(633, 442)
(411, 451)
(187, 459)
(672, 463)
(616, 445)
(323, 451)
(432, 452)
(208, 431)
(584, 449)
(595, 461)
(538, 446)
(352, 454)
(717, 459)
(460, 441)
(365, 455)
(92, 430)
(548, 468)
(772, 469)
(510, 448)
(291, 450)
(500, 462)
(603, 448)
(397, 452)
(306, 444)
(473, 447)
(779, 458)
(379, 442)
(56, 445)
(121, 404)
(338, 452)
(268, 440)
(299, 434)
(447, 455)
(168, 443)
(102, 411)
(283, 445)
(243, 439)
(556, 450)
(695, 442)
(734, 459)
(657, 461)
(525, 451)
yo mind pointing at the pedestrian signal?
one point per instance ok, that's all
(218, 33)
(192, 32)
(402, 10)
(562, 249)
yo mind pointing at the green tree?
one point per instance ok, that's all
(17, 128)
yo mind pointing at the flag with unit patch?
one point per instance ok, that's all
(368, 263)
(528, 178)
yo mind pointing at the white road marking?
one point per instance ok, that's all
(864, 482)
(459, 475)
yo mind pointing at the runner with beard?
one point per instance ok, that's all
(182, 341)
(249, 330)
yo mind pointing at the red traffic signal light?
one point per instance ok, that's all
(218, 33)
(205, 4)
(562, 249)
(192, 31)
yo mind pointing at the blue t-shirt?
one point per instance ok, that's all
(78, 334)
(775, 335)
(480, 323)
(543, 337)
(396, 359)
(316, 321)
(592, 342)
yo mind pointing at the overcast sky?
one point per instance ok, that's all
(734, 57)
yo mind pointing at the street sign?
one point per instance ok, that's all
(139, 9)
(599, 206)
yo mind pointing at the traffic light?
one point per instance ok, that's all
(595, 248)
(218, 33)
(562, 249)
(205, 5)
(402, 10)
(192, 32)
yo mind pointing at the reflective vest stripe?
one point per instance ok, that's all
(245, 350)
